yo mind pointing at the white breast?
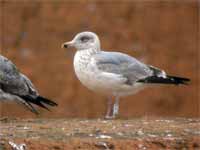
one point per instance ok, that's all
(87, 75)
(81, 61)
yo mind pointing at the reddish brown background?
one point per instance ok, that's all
(161, 33)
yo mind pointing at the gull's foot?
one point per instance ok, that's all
(111, 117)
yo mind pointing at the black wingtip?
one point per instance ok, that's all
(179, 80)
(168, 80)
(39, 101)
(46, 101)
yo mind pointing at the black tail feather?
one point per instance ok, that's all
(39, 101)
(168, 80)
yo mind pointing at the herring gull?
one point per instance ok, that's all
(113, 74)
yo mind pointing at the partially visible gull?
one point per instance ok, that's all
(113, 73)
(16, 86)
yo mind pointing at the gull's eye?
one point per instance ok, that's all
(85, 38)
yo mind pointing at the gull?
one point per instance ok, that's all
(16, 86)
(113, 74)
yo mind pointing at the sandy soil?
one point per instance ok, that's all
(99, 134)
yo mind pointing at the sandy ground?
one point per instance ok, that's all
(99, 134)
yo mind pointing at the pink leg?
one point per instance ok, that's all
(109, 113)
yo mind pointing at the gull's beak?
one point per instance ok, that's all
(67, 44)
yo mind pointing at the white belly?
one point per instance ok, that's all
(97, 81)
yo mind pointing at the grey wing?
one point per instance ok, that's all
(17, 85)
(122, 64)
(11, 80)
(31, 87)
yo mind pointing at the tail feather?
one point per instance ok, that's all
(39, 101)
(168, 80)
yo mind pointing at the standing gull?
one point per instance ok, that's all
(113, 73)
(16, 86)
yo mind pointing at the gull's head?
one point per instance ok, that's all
(83, 40)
